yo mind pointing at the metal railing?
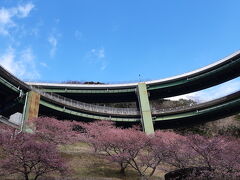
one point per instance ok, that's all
(172, 109)
(87, 106)
(126, 111)
(198, 105)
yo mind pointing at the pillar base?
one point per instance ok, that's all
(31, 111)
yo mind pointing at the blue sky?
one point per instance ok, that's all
(115, 40)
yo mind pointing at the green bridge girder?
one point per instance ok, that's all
(194, 78)
(9, 85)
(85, 115)
(232, 104)
(84, 91)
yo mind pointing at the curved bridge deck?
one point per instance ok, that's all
(211, 75)
(15, 97)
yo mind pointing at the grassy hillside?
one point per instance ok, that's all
(88, 165)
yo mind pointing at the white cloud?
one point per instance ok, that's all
(53, 43)
(101, 53)
(78, 35)
(43, 64)
(7, 61)
(5, 21)
(103, 66)
(23, 11)
(185, 96)
(20, 64)
(212, 93)
(97, 56)
(7, 16)
(97, 53)
(53, 39)
(35, 29)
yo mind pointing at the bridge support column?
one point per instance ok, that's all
(30, 111)
(145, 109)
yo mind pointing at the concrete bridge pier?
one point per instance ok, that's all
(146, 114)
(30, 111)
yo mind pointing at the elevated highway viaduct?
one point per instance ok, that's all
(221, 71)
(75, 101)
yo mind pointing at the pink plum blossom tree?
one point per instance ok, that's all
(23, 154)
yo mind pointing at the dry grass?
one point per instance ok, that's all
(86, 164)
